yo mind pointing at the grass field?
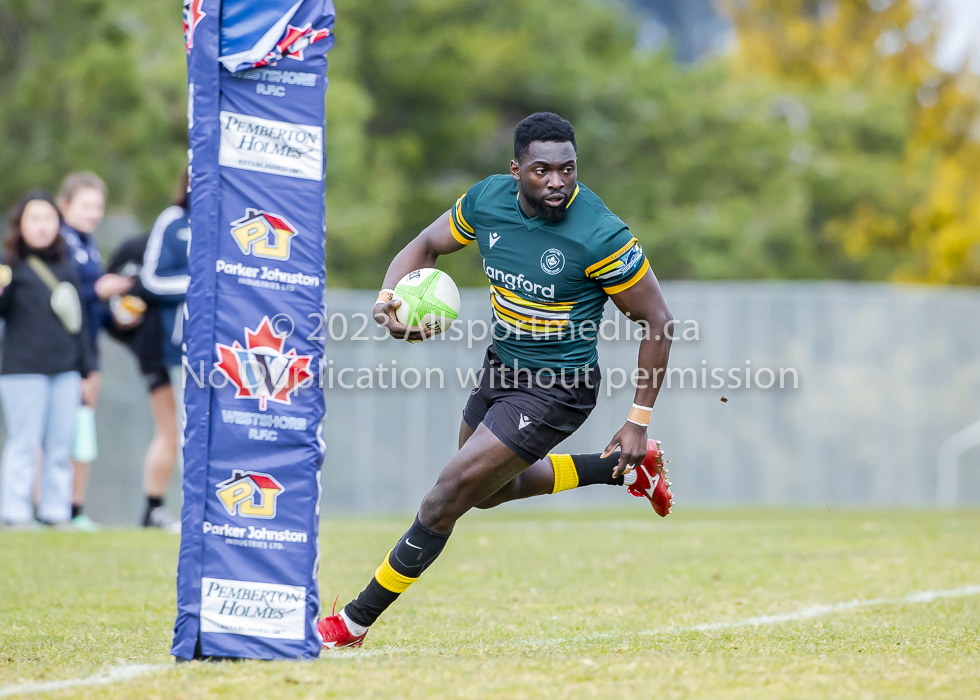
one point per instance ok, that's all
(545, 605)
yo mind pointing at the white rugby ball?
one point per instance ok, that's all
(429, 299)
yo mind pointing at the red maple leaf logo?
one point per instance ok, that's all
(293, 43)
(261, 370)
(192, 17)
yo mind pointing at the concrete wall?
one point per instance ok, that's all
(885, 372)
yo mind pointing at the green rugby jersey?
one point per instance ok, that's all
(549, 280)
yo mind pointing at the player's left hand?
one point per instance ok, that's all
(632, 443)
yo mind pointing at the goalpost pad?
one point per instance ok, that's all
(247, 574)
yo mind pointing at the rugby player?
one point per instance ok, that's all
(553, 253)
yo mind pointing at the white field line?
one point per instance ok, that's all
(758, 621)
(112, 675)
(123, 673)
(822, 610)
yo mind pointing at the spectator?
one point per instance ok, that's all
(81, 200)
(165, 275)
(45, 356)
(140, 331)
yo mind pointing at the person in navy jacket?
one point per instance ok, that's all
(81, 200)
(166, 274)
(165, 277)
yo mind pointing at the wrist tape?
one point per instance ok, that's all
(640, 415)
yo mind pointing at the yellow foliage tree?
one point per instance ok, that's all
(873, 43)
(946, 225)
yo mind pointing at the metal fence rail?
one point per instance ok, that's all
(885, 374)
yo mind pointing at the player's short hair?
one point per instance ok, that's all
(542, 126)
(75, 182)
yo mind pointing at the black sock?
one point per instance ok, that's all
(572, 471)
(151, 503)
(406, 561)
(76, 510)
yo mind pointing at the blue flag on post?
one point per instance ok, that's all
(247, 574)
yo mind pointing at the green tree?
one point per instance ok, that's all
(720, 174)
(90, 84)
(723, 170)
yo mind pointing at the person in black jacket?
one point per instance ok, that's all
(44, 359)
(141, 331)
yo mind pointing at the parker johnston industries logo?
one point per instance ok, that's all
(250, 494)
(263, 234)
(261, 370)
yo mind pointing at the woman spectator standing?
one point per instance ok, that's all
(45, 356)
(81, 200)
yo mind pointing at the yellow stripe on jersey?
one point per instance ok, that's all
(630, 282)
(609, 267)
(524, 315)
(537, 330)
(510, 312)
(461, 230)
(459, 215)
(391, 579)
(456, 234)
(530, 325)
(543, 305)
(548, 319)
(566, 475)
(526, 323)
(594, 270)
(538, 333)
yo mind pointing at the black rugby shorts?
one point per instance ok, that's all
(531, 414)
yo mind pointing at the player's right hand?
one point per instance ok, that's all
(384, 314)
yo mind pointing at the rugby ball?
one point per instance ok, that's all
(429, 299)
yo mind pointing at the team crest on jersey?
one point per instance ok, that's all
(250, 494)
(626, 260)
(193, 14)
(552, 261)
(263, 234)
(632, 257)
(261, 370)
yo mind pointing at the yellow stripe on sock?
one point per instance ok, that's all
(391, 579)
(566, 476)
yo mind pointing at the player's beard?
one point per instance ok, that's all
(543, 210)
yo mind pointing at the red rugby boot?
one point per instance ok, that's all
(651, 481)
(334, 632)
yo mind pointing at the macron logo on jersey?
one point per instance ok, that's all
(494, 237)
(524, 422)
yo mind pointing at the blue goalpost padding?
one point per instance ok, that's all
(247, 573)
